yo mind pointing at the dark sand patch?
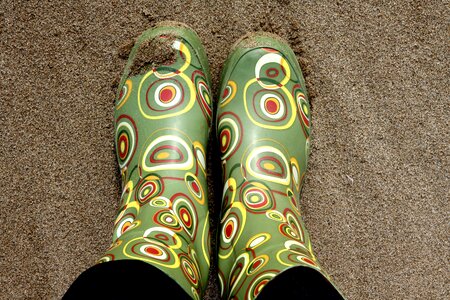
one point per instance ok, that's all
(153, 53)
(124, 50)
(150, 54)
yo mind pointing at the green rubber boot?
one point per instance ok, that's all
(162, 121)
(263, 127)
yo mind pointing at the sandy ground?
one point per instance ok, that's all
(376, 197)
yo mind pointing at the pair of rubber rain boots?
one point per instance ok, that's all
(163, 116)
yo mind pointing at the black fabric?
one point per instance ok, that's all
(133, 279)
(124, 279)
(299, 283)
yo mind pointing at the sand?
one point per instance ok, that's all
(376, 197)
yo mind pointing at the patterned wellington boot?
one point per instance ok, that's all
(162, 121)
(263, 126)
